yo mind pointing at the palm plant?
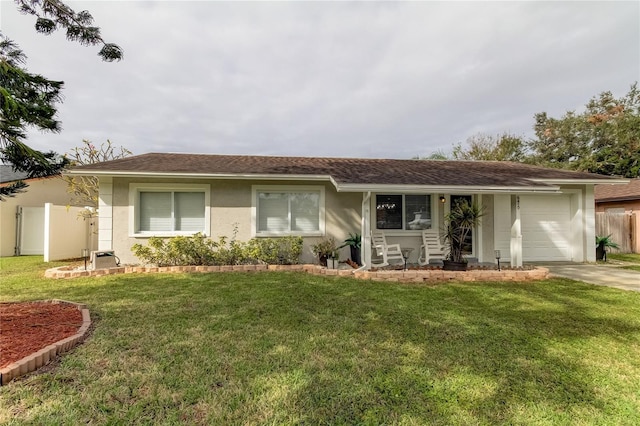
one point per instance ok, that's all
(602, 243)
(354, 242)
(459, 223)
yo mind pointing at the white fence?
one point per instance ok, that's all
(67, 231)
(56, 232)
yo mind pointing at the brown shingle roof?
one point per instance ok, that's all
(343, 170)
(631, 191)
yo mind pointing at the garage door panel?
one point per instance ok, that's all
(546, 227)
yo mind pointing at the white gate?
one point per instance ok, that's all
(30, 231)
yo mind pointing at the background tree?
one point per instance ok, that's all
(438, 155)
(505, 147)
(25, 100)
(29, 100)
(604, 139)
(84, 189)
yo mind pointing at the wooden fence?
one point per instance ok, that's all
(621, 227)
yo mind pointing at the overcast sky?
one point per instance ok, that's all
(345, 79)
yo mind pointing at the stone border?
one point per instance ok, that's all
(434, 275)
(46, 355)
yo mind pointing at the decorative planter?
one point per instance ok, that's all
(322, 259)
(601, 253)
(355, 255)
(448, 265)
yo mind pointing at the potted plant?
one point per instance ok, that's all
(354, 242)
(324, 249)
(459, 223)
(601, 247)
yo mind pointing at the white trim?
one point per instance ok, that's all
(515, 249)
(365, 232)
(477, 239)
(589, 224)
(578, 225)
(187, 175)
(134, 200)
(612, 181)
(287, 189)
(430, 189)
(105, 213)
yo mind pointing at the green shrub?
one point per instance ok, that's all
(275, 251)
(200, 250)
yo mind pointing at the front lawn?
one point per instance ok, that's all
(290, 348)
(632, 258)
(625, 257)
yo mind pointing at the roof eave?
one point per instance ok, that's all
(446, 189)
(611, 181)
(618, 199)
(224, 176)
(181, 175)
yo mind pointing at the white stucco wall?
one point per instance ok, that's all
(231, 201)
(40, 191)
(231, 210)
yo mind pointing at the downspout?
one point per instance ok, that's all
(17, 247)
(365, 232)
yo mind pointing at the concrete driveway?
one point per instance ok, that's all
(608, 275)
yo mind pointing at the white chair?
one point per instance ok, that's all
(385, 251)
(431, 247)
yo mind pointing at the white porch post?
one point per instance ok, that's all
(589, 226)
(366, 230)
(516, 232)
(105, 214)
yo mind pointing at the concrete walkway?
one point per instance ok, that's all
(606, 275)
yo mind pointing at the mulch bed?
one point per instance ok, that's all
(27, 327)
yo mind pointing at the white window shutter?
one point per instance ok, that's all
(155, 211)
(273, 212)
(305, 212)
(189, 211)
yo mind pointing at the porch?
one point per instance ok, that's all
(517, 227)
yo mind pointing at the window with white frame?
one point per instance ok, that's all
(403, 212)
(169, 210)
(282, 210)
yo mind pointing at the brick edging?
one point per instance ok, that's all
(435, 275)
(47, 354)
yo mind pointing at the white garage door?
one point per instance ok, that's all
(546, 227)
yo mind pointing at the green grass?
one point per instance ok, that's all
(627, 257)
(288, 348)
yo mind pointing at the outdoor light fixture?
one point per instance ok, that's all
(442, 199)
(85, 254)
(498, 258)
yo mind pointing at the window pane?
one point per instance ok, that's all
(418, 212)
(155, 211)
(189, 211)
(389, 211)
(305, 211)
(273, 212)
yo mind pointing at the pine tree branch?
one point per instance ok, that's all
(52, 14)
